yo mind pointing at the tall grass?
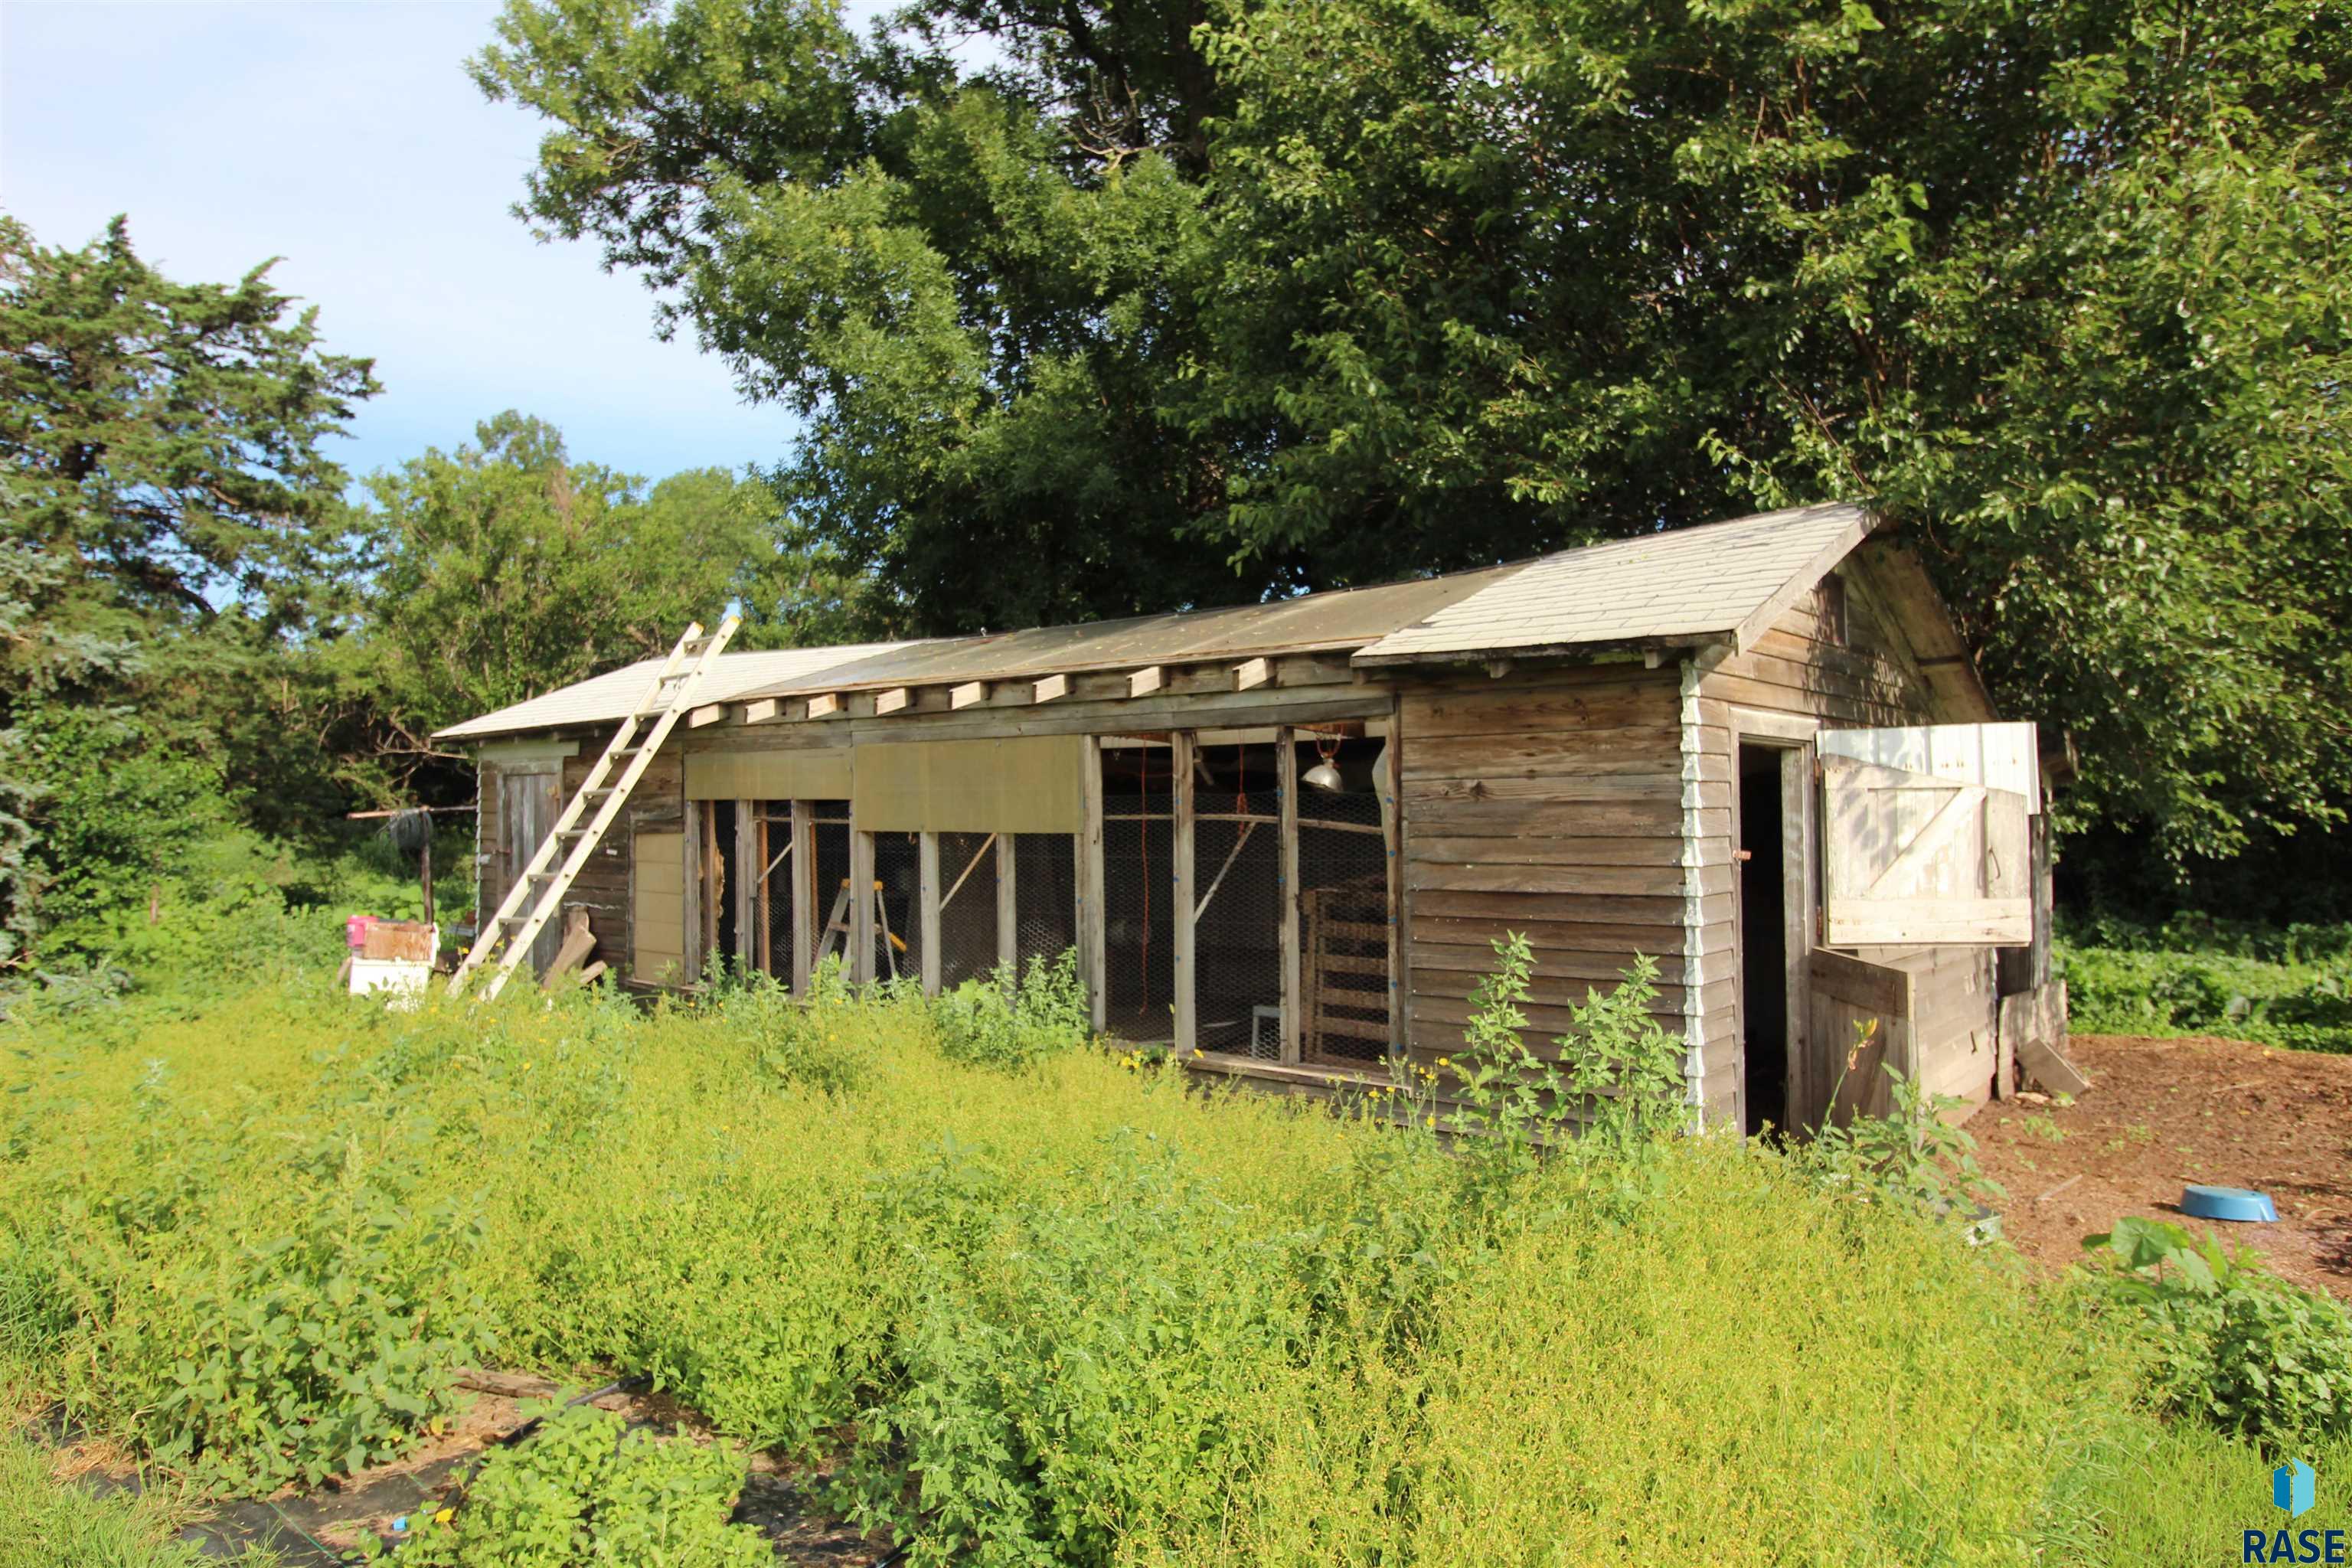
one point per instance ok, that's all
(1047, 1308)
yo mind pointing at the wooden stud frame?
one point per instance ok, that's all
(1286, 767)
(1091, 934)
(927, 855)
(805, 892)
(748, 882)
(861, 904)
(1008, 907)
(1183, 749)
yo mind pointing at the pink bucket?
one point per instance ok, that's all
(355, 931)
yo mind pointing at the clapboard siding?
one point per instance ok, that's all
(1547, 803)
(602, 889)
(1869, 680)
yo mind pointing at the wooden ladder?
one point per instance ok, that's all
(542, 883)
(837, 924)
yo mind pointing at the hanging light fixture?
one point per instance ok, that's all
(1324, 775)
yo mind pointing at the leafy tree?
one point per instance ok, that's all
(504, 569)
(161, 443)
(1145, 305)
(163, 501)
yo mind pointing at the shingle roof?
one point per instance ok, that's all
(1681, 585)
(604, 698)
(1339, 621)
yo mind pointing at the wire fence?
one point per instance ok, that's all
(1237, 905)
(1045, 896)
(966, 906)
(897, 894)
(827, 884)
(772, 894)
(1138, 916)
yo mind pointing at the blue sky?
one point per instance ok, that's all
(347, 138)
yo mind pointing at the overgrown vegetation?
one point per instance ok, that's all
(2235, 1346)
(1045, 1306)
(2282, 986)
(585, 1490)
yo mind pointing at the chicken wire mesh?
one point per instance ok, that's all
(1139, 919)
(1045, 896)
(1237, 903)
(1346, 990)
(966, 906)
(826, 881)
(897, 895)
(773, 896)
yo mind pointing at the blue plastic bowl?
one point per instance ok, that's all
(2227, 1203)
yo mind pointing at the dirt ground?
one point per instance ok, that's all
(2162, 1115)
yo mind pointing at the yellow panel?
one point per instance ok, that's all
(658, 932)
(1029, 785)
(768, 776)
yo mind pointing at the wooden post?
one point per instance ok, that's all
(1182, 748)
(926, 865)
(690, 925)
(861, 904)
(749, 884)
(1008, 907)
(1091, 930)
(1390, 790)
(806, 911)
(1285, 774)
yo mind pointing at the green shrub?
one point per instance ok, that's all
(826, 1042)
(582, 1491)
(1008, 1021)
(1070, 1365)
(1911, 1157)
(2233, 1345)
(2287, 986)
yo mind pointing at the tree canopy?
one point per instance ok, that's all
(506, 569)
(1097, 307)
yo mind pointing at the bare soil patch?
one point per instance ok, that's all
(2162, 1115)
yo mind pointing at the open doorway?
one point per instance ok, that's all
(1763, 893)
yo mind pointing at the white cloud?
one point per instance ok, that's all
(348, 139)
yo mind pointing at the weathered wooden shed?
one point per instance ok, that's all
(1285, 836)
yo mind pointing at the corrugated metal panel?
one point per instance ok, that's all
(604, 698)
(1687, 584)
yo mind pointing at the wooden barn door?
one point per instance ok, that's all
(529, 800)
(1926, 838)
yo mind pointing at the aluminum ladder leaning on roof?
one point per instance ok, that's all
(671, 694)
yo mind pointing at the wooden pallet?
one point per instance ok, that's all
(1344, 974)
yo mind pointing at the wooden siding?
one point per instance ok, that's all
(602, 889)
(1549, 803)
(1799, 670)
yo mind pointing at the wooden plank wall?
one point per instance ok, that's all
(1550, 803)
(1798, 668)
(602, 889)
